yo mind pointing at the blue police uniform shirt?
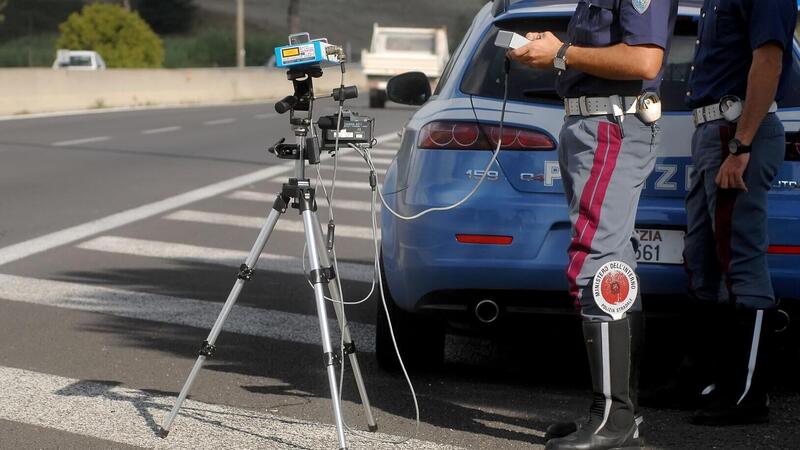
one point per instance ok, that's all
(602, 23)
(728, 32)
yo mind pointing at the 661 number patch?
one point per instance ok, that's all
(660, 246)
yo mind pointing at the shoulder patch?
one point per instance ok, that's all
(641, 5)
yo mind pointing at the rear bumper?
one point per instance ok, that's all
(423, 257)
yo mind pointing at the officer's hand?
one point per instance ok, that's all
(540, 52)
(731, 172)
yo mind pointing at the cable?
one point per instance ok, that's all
(376, 270)
(329, 199)
(376, 188)
(483, 175)
(377, 192)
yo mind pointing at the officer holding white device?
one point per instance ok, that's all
(610, 72)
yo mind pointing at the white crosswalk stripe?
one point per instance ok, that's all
(291, 226)
(340, 184)
(129, 416)
(283, 326)
(383, 152)
(328, 170)
(210, 255)
(254, 196)
(358, 159)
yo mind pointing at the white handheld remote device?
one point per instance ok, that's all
(510, 40)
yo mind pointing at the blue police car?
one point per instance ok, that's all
(503, 253)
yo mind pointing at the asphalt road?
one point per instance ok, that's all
(120, 235)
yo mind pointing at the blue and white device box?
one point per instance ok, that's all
(313, 52)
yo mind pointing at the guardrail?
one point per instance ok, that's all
(25, 91)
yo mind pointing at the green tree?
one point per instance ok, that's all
(121, 37)
(168, 16)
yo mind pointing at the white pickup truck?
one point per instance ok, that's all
(79, 60)
(397, 50)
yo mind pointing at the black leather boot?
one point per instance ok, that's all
(611, 422)
(740, 392)
(637, 324)
(703, 327)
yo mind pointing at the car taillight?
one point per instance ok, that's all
(793, 146)
(474, 136)
(485, 239)
(784, 249)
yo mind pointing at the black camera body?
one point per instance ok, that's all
(292, 151)
(355, 129)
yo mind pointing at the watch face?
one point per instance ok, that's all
(733, 147)
(560, 64)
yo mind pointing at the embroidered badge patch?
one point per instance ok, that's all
(615, 288)
(641, 5)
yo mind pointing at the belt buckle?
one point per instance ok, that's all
(582, 106)
(695, 117)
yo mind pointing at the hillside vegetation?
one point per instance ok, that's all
(350, 21)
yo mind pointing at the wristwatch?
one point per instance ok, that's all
(560, 61)
(735, 147)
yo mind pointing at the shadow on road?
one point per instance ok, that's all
(536, 374)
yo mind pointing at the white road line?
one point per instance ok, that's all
(254, 196)
(280, 325)
(388, 137)
(291, 226)
(383, 152)
(340, 184)
(124, 109)
(130, 416)
(210, 255)
(329, 168)
(161, 130)
(43, 243)
(358, 159)
(80, 141)
(220, 121)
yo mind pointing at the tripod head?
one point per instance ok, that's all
(306, 147)
(303, 97)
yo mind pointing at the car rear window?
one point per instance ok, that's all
(407, 42)
(81, 61)
(791, 97)
(485, 75)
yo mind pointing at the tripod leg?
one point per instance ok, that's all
(319, 277)
(349, 345)
(245, 274)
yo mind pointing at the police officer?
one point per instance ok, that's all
(741, 68)
(609, 71)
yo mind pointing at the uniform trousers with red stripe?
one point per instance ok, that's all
(604, 171)
(726, 241)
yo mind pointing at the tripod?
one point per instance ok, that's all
(299, 194)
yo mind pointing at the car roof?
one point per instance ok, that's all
(503, 6)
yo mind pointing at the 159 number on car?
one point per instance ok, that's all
(491, 175)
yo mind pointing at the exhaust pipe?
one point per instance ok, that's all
(487, 311)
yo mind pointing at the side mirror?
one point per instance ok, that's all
(410, 88)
